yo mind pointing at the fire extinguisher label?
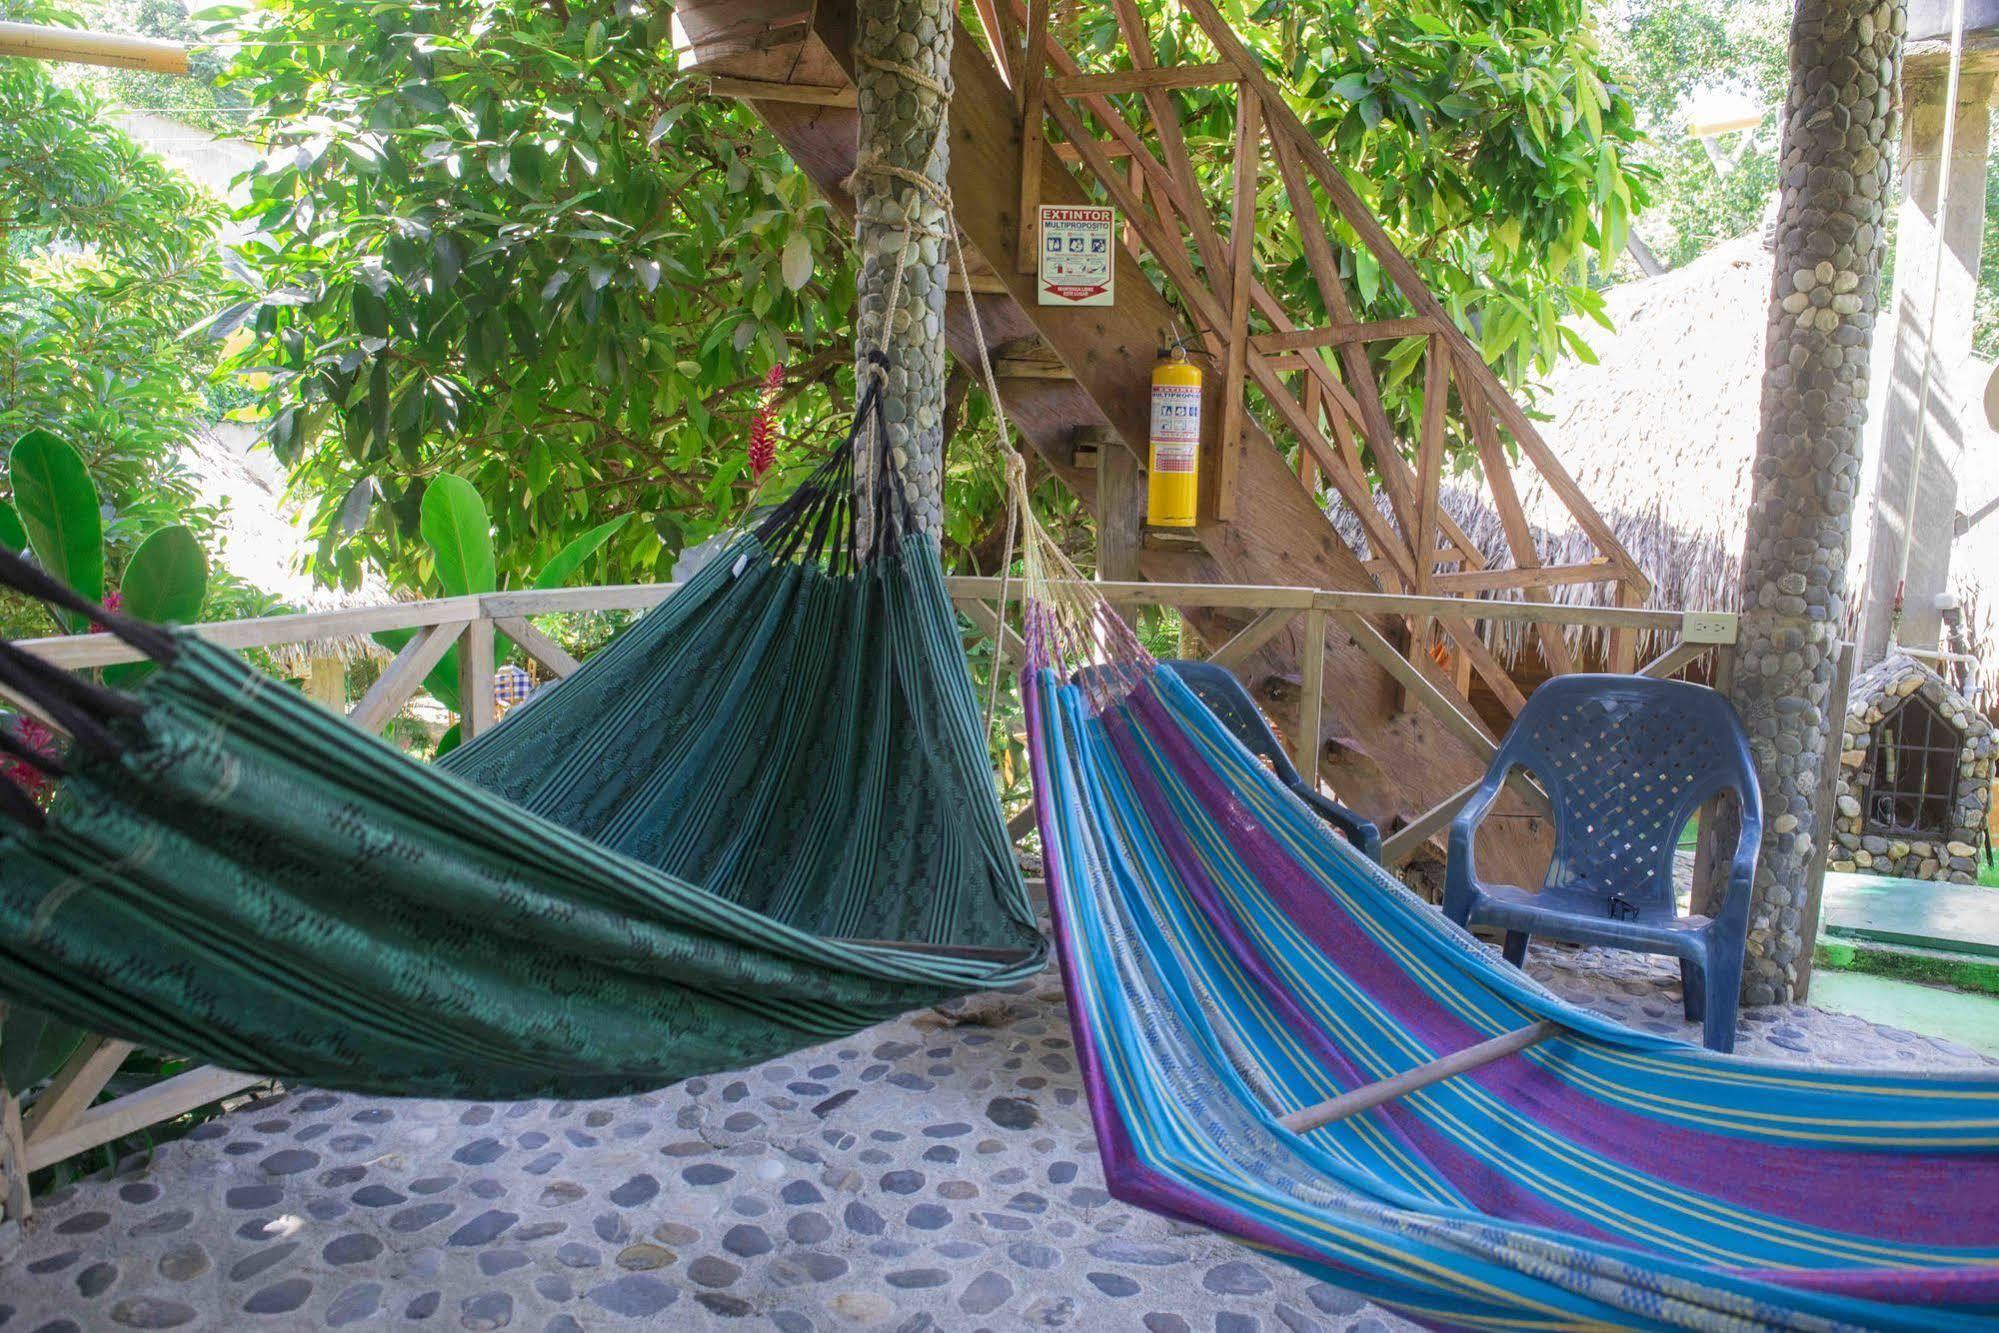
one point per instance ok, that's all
(1176, 427)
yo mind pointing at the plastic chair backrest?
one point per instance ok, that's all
(1224, 696)
(1626, 761)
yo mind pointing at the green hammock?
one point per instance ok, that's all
(762, 818)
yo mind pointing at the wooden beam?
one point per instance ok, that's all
(14, 1202)
(1066, 152)
(1430, 460)
(165, 1100)
(1242, 257)
(1498, 471)
(1531, 577)
(770, 90)
(74, 1087)
(544, 650)
(1679, 655)
(1343, 335)
(1305, 745)
(79, 46)
(404, 676)
(1029, 88)
(1002, 41)
(1418, 683)
(1371, 1095)
(1157, 77)
(1120, 514)
(1400, 845)
(1247, 641)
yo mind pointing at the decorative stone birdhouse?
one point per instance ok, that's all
(1915, 776)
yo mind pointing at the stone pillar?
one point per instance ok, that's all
(1944, 339)
(902, 64)
(1838, 142)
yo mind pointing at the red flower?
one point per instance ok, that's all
(113, 601)
(763, 425)
(42, 741)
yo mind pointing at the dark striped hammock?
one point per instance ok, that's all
(762, 818)
(1230, 962)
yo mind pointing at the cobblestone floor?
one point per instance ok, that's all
(935, 1173)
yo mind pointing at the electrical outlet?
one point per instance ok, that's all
(1707, 627)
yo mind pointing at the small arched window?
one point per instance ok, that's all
(1912, 770)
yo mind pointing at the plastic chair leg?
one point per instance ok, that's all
(1723, 989)
(1693, 991)
(1516, 947)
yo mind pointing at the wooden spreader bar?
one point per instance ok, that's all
(1371, 1095)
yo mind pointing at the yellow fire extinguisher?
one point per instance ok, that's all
(1173, 481)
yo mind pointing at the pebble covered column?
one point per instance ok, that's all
(902, 59)
(1839, 127)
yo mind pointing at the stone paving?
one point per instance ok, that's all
(934, 1173)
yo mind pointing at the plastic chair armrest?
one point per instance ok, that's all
(1357, 830)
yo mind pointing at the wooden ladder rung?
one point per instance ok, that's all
(1371, 1095)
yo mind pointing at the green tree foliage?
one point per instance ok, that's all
(107, 256)
(504, 239)
(1669, 51)
(501, 239)
(1490, 140)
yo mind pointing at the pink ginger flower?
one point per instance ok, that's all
(113, 601)
(763, 425)
(42, 741)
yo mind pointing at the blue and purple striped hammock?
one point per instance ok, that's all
(1229, 961)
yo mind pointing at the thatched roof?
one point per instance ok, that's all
(1660, 433)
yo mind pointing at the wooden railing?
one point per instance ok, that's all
(1315, 383)
(66, 1118)
(442, 622)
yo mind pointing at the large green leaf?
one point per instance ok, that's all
(459, 535)
(33, 1046)
(166, 583)
(59, 514)
(12, 535)
(558, 571)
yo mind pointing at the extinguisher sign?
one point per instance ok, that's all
(1078, 261)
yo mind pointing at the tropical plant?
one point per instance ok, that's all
(504, 239)
(458, 536)
(106, 257)
(56, 515)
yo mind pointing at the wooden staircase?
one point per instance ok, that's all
(1081, 376)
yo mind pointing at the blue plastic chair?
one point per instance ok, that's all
(1626, 762)
(1224, 696)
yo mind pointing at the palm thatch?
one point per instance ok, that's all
(1660, 434)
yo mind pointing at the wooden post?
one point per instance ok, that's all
(14, 1204)
(1029, 86)
(1120, 514)
(326, 681)
(1306, 744)
(1242, 260)
(1714, 842)
(476, 710)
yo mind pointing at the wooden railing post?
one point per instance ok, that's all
(476, 710)
(1311, 698)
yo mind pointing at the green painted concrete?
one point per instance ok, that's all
(1967, 1019)
(1937, 967)
(1914, 913)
